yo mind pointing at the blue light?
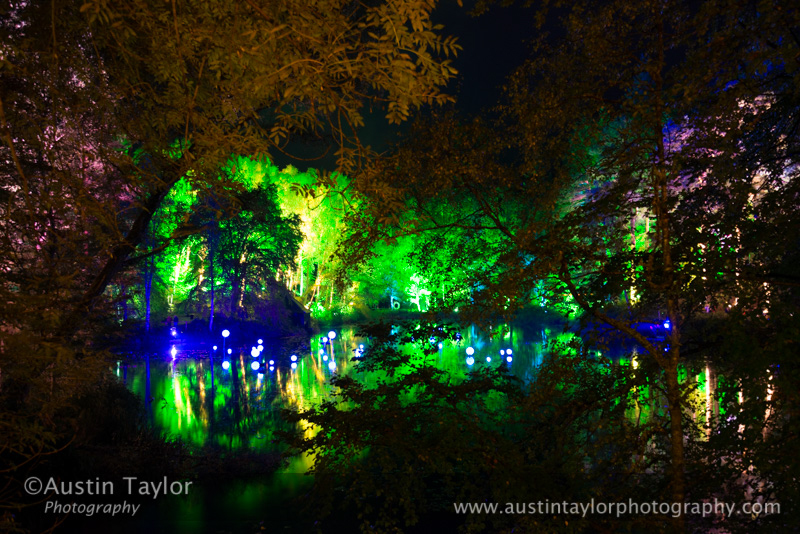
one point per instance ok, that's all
(324, 339)
(470, 360)
(332, 365)
(174, 351)
(332, 335)
(508, 351)
(173, 331)
(260, 347)
(271, 368)
(470, 351)
(230, 351)
(509, 359)
(272, 362)
(226, 365)
(488, 359)
(432, 340)
(667, 324)
(225, 333)
(255, 365)
(325, 358)
(502, 352)
(294, 365)
(361, 346)
(440, 346)
(294, 358)
(214, 347)
(254, 352)
(260, 341)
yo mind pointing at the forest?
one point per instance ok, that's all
(638, 180)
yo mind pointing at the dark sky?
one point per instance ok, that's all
(493, 45)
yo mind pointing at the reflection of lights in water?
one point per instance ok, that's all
(667, 324)
(324, 339)
(509, 359)
(332, 335)
(488, 359)
(332, 365)
(226, 333)
(174, 351)
(260, 341)
(214, 347)
(470, 360)
(502, 352)
(272, 362)
(226, 365)
(254, 352)
(293, 358)
(508, 351)
(294, 365)
(440, 346)
(254, 366)
(322, 351)
(325, 358)
(271, 368)
(470, 351)
(230, 351)
(260, 347)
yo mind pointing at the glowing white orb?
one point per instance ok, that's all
(488, 359)
(226, 333)
(294, 358)
(470, 351)
(254, 366)
(294, 365)
(226, 365)
(332, 365)
(470, 360)
(332, 334)
(509, 359)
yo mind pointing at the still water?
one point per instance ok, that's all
(226, 402)
(230, 402)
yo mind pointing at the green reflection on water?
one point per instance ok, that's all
(196, 400)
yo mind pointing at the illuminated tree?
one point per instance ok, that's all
(647, 150)
(254, 244)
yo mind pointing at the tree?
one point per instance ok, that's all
(254, 244)
(678, 114)
(104, 108)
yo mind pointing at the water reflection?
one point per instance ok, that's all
(194, 398)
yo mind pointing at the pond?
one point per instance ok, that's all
(228, 402)
(229, 398)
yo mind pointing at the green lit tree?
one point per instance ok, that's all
(254, 244)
